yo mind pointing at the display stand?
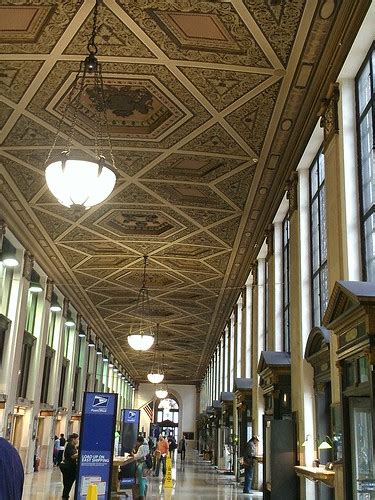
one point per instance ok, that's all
(351, 316)
(279, 429)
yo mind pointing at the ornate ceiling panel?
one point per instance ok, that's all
(206, 102)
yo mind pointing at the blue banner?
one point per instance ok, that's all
(96, 444)
(129, 432)
(129, 429)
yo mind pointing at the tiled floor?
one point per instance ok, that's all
(195, 480)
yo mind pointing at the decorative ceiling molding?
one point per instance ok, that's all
(207, 101)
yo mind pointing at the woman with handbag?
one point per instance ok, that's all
(68, 466)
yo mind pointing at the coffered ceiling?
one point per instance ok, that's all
(210, 103)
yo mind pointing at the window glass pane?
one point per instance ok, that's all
(285, 280)
(286, 331)
(349, 373)
(363, 369)
(321, 168)
(286, 285)
(323, 289)
(6, 281)
(318, 239)
(314, 179)
(315, 236)
(364, 87)
(365, 114)
(323, 227)
(369, 235)
(316, 301)
(367, 161)
(32, 302)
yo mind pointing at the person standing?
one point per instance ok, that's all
(182, 447)
(62, 442)
(172, 445)
(68, 467)
(162, 450)
(11, 472)
(249, 461)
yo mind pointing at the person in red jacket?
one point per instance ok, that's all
(162, 451)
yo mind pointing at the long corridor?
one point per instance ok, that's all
(195, 479)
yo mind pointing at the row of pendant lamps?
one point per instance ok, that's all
(140, 342)
(8, 258)
(82, 183)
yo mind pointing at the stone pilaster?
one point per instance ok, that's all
(335, 221)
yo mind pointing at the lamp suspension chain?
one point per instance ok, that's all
(91, 46)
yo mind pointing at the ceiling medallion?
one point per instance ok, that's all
(141, 336)
(78, 183)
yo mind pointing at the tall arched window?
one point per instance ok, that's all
(167, 414)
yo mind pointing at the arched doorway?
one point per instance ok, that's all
(167, 416)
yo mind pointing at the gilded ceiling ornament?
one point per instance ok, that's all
(279, 23)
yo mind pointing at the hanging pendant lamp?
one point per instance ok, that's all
(78, 183)
(156, 375)
(161, 392)
(141, 336)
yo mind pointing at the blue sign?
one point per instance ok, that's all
(131, 416)
(129, 434)
(129, 429)
(96, 444)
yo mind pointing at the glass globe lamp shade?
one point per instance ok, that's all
(35, 288)
(80, 183)
(140, 341)
(155, 377)
(8, 254)
(69, 321)
(10, 262)
(55, 307)
(161, 393)
(81, 333)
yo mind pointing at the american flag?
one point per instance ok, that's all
(149, 409)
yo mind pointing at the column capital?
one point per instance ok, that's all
(27, 265)
(292, 193)
(328, 113)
